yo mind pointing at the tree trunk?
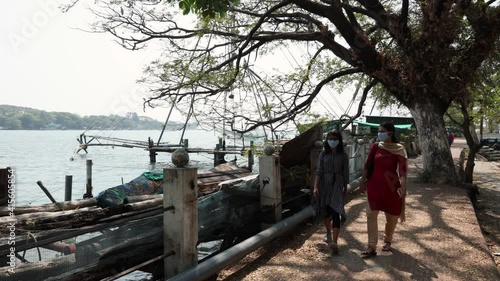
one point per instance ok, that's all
(436, 153)
(472, 142)
(469, 167)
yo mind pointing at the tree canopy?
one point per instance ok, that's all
(424, 54)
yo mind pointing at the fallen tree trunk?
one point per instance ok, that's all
(76, 218)
(41, 270)
(69, 205)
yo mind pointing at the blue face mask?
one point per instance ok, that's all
(382, 136)
(333, 143)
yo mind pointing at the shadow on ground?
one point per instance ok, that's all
(440, 240)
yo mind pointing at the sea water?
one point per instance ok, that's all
(46, 156)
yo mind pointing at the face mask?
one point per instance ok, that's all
(382, 136)
(333, 143)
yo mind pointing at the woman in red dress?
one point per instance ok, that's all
(384, 180)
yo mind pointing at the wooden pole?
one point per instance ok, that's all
(180, 225)
(270, 188)
(88, 186)
(46, 191)
(4, 186)
(250, 159)
(68, 187)
(152, 152)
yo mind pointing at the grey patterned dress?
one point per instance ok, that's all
(333, 171)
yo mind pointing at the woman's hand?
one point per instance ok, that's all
(362, 186)
(315, 191)
(402, 192)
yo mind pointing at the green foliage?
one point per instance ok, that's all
(311, 120)
(23, 118)
(483, 101)
(206, 8)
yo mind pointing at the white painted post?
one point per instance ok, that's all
(349, 150)
(362, 158)
(270, 186)
(180, 225)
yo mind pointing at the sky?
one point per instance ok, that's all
(47, 62)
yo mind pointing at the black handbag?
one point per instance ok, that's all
(371, 163)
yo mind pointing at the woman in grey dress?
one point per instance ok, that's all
(330, 185)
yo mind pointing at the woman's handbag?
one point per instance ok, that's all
(371, 163)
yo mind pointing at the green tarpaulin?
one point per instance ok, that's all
(373, 125)
(156, 175)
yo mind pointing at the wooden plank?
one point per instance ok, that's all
(296, 151)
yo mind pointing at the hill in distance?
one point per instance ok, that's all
(25, 118)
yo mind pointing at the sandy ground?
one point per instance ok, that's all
(441, 239)
(487, 177)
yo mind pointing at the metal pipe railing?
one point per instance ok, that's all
(237, 252)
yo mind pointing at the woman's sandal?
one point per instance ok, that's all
(386, 247)
(334, 247)
(368, 253)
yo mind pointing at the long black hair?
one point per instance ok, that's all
(390, 128)
(340, 147)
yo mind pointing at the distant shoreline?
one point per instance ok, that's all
(25, 118)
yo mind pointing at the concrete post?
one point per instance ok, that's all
(270, 188)
(181, 224)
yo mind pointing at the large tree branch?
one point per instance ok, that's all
(396, 26)
(377, 11)
(405, 38)
(361, 104)
(356, 40)
(290, 114)
(485, 41)
(352, 18)
(253, 31)
(466, 125)
(309, 67)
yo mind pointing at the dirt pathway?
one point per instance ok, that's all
(440, 240)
